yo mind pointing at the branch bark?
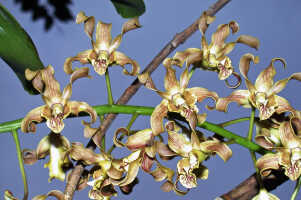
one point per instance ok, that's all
(250, 187)
(133, 88)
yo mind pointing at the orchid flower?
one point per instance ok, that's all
(213, 56)
(143, 142)
(56, 146)
(177, 98)
(57, 105)
(193, 153)
(261, 95)
(287, 156)
(103, 53)
(107, 171)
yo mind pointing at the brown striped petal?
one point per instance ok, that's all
(157, 116)
(241, 97)
(140, 139)
(103, 36)
(248, 40)
(82, 57)
(121, 60)
(34, 115)
(215, 146)
(267, 163)
(170, 79)
(264, 80)
(131, 24)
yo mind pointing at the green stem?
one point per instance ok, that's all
(109, 90)
(133, 119)
(103, 139)
(297, 188)
(142, 110)
(253, 155)
(251, 125)
(234, 121)
(19, 153)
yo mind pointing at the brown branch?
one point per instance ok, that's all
(250, 187)
(133, 88)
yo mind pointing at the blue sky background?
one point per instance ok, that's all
(275, 23)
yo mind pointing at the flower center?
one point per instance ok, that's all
(56, 120)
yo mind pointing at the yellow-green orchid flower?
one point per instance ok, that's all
(57, 105)
(103, 53)
(177, 98)
(56, 146)
(287, 156)
(261, 95)
(213, 56)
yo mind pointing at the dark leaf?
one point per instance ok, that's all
(129, 8)
(17, 48)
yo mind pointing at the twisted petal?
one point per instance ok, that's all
(170, 80)
(190, 56)
(157, 118)
(200, 94)
(164, 151)
(103, 36)
(89, 23)
(140, 139)
(248, 40)
(53, 193)
(121, 59)
(267, 163)
(241, 97)
(83, 57)
(266, 138)
(124, 132)
(215, 146)
(79, 73)
(131, 24)
(222, 32)
(89, 157)
(36, 78)
(204, 22)
(34, 115)
(132, 172)
(264, 80)
(161, 173)
(244, 66)
(281, 84)
(77, 107)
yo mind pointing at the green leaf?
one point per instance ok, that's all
(129, 8)
(17, 48)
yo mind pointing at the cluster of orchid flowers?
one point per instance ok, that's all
(276, 132)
